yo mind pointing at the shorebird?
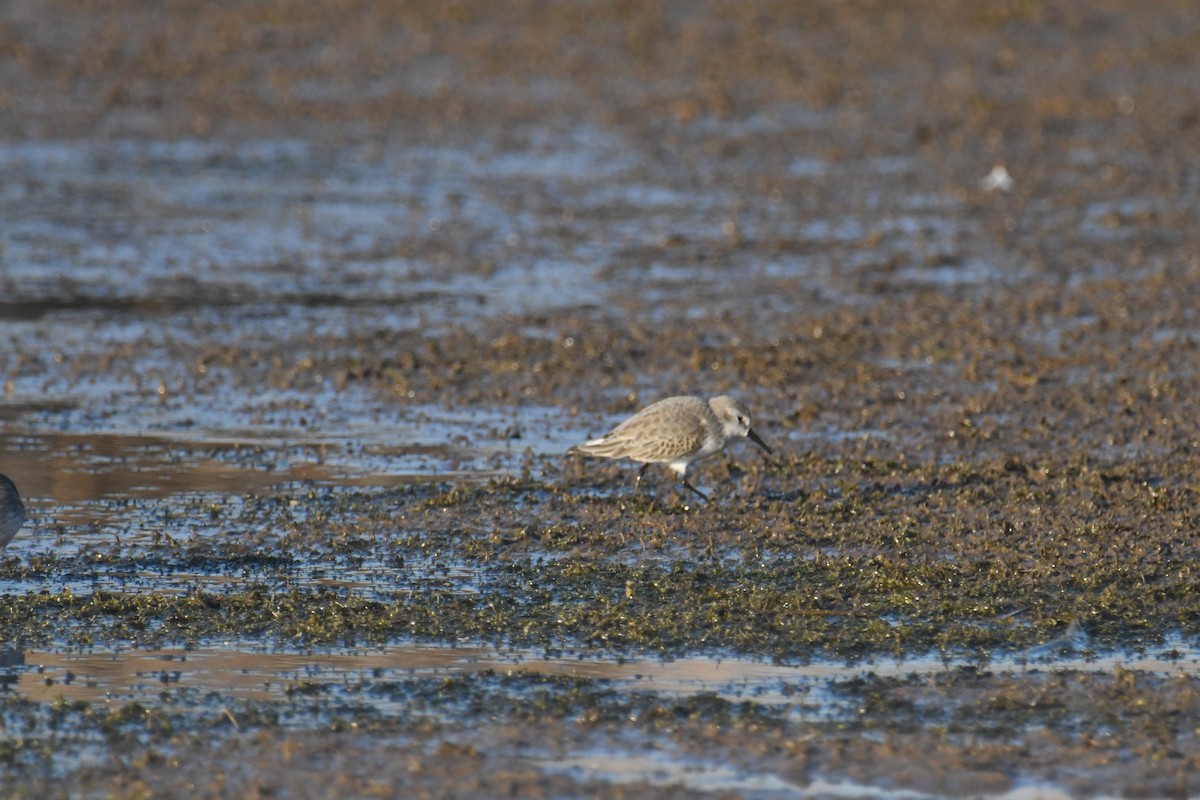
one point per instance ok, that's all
(12, 511)
(675, 431)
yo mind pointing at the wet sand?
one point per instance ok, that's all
(301, 307)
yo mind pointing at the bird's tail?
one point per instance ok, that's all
(604, 447)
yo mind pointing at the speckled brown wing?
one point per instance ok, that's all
(665, 431)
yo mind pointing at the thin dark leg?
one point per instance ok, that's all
(637, 482)
(703, 496)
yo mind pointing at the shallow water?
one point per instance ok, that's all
(310, 687)
(243, 671)
(90, 473)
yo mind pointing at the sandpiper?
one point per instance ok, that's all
(12, 511)
(675, 431)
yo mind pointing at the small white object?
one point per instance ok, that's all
(998, 178)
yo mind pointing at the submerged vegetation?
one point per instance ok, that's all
(864, 559)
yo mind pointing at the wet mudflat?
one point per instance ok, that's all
(302, 305)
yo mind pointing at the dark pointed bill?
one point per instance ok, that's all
(754, 438)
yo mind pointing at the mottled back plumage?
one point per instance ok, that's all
(665, 431)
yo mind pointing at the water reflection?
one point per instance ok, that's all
(96, 482)
(255, 674)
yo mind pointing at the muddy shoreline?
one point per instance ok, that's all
(302, 305)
